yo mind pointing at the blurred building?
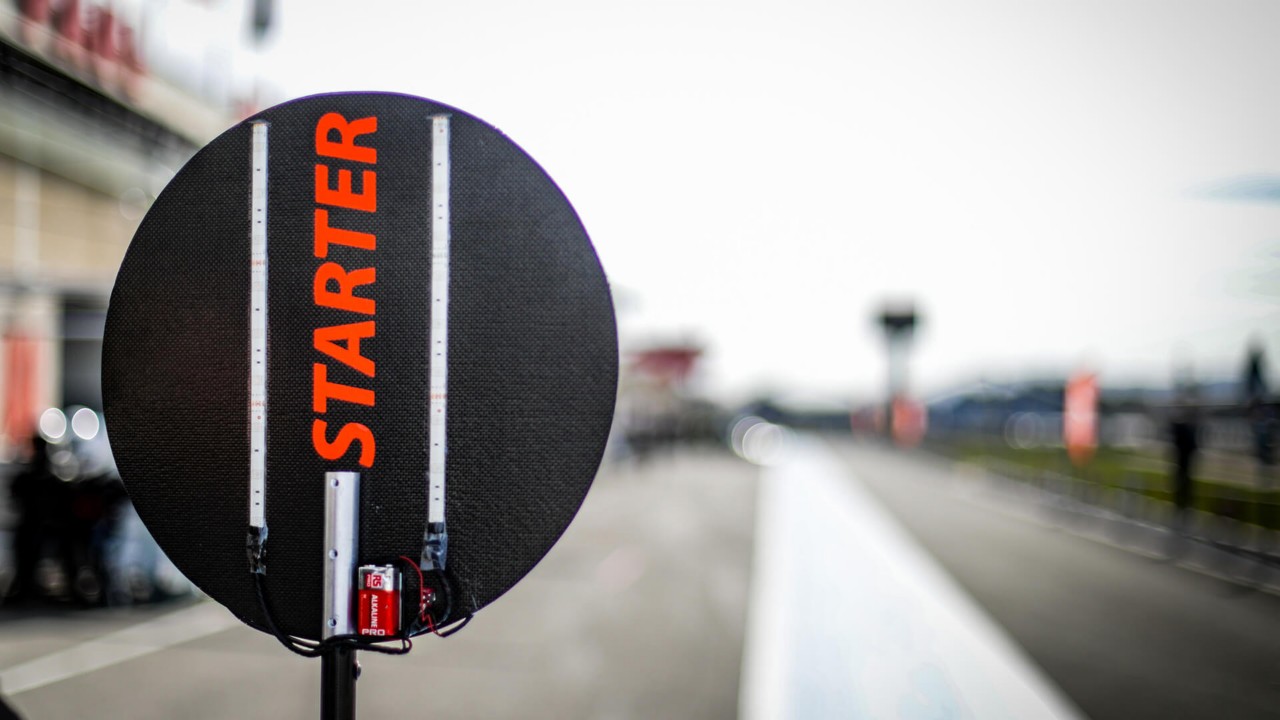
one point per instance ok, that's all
(101, 101)
(657, 405)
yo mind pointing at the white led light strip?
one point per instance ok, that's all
(258, 333)
(438, 338)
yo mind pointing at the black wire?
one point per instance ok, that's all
(365, 642)
(300, 647)
(448, 596)
(462, 622)
(311, 649)
(447, 581)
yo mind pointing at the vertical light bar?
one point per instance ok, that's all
(435, 539)
(258, 332)
(438, 338)
(341, 520)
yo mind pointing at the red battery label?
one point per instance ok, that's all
(378, 590)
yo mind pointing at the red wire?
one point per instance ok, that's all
(422, 598)
(422, 592)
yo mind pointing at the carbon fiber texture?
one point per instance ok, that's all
(532, 358)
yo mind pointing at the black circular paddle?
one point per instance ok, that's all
(353, 295)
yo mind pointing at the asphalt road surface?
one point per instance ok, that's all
(637, 613)
(640, 612)
(1124, 635)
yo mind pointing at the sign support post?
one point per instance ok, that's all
(338, 665)
(338, 671)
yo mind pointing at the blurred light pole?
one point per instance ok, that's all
(898, 320)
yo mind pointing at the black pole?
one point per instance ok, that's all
(338, 670)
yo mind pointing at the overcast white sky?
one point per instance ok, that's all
(759, 176)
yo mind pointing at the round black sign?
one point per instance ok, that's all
(311, 254)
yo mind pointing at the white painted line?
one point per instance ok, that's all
(120, 646)
(850, 618)
(766, 647)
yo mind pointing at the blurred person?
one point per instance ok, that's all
(1259, 410)
(95, 502)
(35, 492)
(67, 512)
(1184, 425)
(1255, 379)
(132, 557)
